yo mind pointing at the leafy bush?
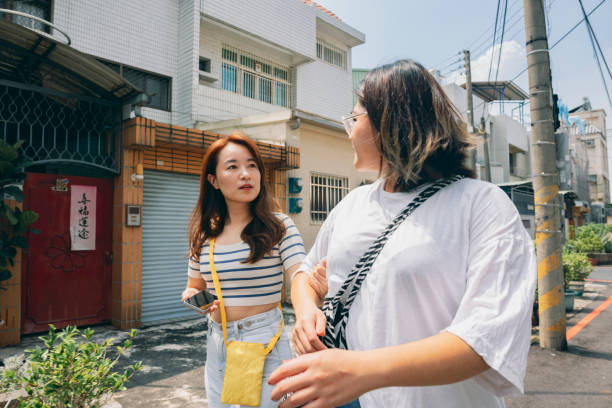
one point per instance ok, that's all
(68, 373)
(15, 223)
(590, 238)
(576, 266)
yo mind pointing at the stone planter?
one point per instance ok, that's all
(576, 286)
(570, 295)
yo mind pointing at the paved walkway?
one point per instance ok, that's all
(582, 375)
(173, 356)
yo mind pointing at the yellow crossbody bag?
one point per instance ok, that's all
(244, 362)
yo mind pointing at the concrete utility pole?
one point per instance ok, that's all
(470, 103)
(545, 181)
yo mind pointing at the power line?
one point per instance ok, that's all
(485, 44)
(590, 27)
(494, 40)
(565, 35)
(501, 41)
(593, 39)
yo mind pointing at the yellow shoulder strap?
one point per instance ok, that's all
(213, 271)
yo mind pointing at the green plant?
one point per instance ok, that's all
(576, 266)
(590, 238)
(68, 373)
(15, 223)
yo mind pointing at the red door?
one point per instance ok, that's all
(62, 286)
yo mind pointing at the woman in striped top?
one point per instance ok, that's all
(253, 245)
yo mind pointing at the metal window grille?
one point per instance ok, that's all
(60, 127)
(331, 54)
(255, 77)
(37, 8)
(157, 87)
(325, 192)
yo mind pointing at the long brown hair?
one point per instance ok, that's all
(417, 123)
(210, 213)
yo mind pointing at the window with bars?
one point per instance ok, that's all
(36, 8)
(325, 192)
(331, 54)
(254, 77)
(157, 87)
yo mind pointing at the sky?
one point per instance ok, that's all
(434, 32)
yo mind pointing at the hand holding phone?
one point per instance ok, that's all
(201, 301)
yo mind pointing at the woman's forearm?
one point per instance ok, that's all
(441, 359)
(302, 294)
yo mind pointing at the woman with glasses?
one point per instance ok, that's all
(442, 317)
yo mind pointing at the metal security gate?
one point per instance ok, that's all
(168, 199)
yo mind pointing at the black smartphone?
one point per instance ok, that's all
(201, 301)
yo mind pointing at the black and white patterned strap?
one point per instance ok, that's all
(336, 308)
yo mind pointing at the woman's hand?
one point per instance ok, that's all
(189, 292)
(328, 378)
(309, 325)
(318, 279)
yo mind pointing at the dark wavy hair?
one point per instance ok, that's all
(210, 213)
(418, 126)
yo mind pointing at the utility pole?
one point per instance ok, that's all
(545, 181)
(470, 103)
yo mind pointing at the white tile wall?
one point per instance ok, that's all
(168, 36)
(143, 34)
(214, 103)
(324, 89)
(288, 23)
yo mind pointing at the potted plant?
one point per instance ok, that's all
(576, 268)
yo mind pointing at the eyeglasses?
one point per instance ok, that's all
(350, 120)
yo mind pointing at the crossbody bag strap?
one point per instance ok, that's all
(349, 289)
(213, 272)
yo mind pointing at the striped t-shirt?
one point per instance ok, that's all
(250, 284)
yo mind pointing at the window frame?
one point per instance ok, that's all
(119, 68)
(321, 191)
(254, 77)
(327, 53)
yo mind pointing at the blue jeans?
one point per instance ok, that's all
(352, 404)
(259, 328)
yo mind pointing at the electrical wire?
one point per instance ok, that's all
(501, 41)
(494, 40)
(590, 27)
(592, 38)
(565, 35)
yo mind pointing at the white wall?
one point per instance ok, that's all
(458, 96)
(288, 23)
(213, 103)
(144, 34)
(324, 89)
(336, 159)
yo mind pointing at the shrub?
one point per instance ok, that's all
(70, 374)
(14, 222)
(576, 266)
(590, 238)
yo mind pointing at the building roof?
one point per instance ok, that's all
(498, 91)
(25, 52)
(320, 7)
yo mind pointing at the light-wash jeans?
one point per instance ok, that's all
(259, 328)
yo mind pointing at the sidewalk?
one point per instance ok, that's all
(173, 356)
(582, 375)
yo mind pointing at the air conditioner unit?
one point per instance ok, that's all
(257, 67)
